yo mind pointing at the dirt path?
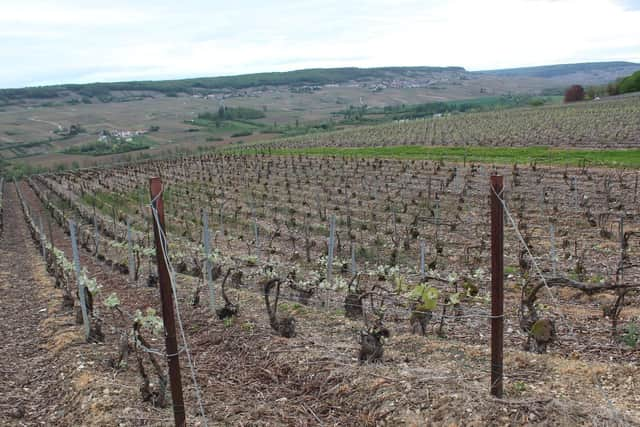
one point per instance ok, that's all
(94, 393)
(49, 375)
(29, 373)
(57, 125)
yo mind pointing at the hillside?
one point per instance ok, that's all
(583, 73)
(548, 76)
(63, 125)
(318, 76)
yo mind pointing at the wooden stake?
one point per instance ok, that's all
(81, 294)
(497, 285)
(166, 295)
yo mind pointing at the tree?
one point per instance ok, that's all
(574, 93)
(612, 89)
(630, 83)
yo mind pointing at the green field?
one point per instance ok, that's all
(503, 155)
(224, 128)
(103, 148)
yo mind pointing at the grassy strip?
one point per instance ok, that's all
(504, 155)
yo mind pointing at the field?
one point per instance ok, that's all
(35, 122)
(601, 124)
(372, 244)
(270, 216)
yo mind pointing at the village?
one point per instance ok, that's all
(119, 135)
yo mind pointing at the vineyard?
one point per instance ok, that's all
(611, 123)
(342, 291)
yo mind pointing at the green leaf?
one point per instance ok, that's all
(112, 301)
(454, 298)
(428, 295)
(417, 292)
(430, 298)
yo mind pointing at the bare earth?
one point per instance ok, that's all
(49, 376)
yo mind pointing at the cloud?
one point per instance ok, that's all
(74, 41)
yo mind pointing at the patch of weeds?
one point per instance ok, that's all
(596, 278)
(631, 335)
(297, 308)
(519, 387)
(248, 327)
(291, 308)
(510, 269)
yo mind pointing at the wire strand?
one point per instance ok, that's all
(164, 245)
(533, 260)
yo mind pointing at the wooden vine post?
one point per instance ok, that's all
(42, 238)
(166, 295)
(497, 284)
(422, 257)
(331, 248)
(79, 279)
(208, 265)
(132, 260)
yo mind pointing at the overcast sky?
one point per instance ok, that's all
(64, 41)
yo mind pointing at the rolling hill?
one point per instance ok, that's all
(528, 78)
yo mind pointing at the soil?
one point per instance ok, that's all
(250, 376)
(31, 373)
(50, 375)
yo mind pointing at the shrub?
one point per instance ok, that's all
(242, 133)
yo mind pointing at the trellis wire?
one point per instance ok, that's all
(533, 260)
(165, 244)
(399, 300)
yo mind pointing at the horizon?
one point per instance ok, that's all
(76, 42)
(315, 68)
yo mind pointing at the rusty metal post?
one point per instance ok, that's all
(166, 295)
(497, 284)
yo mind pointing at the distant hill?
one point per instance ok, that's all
(584, 73)
(316, 76)
(525, 79)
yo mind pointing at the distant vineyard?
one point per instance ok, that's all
(597, 124)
